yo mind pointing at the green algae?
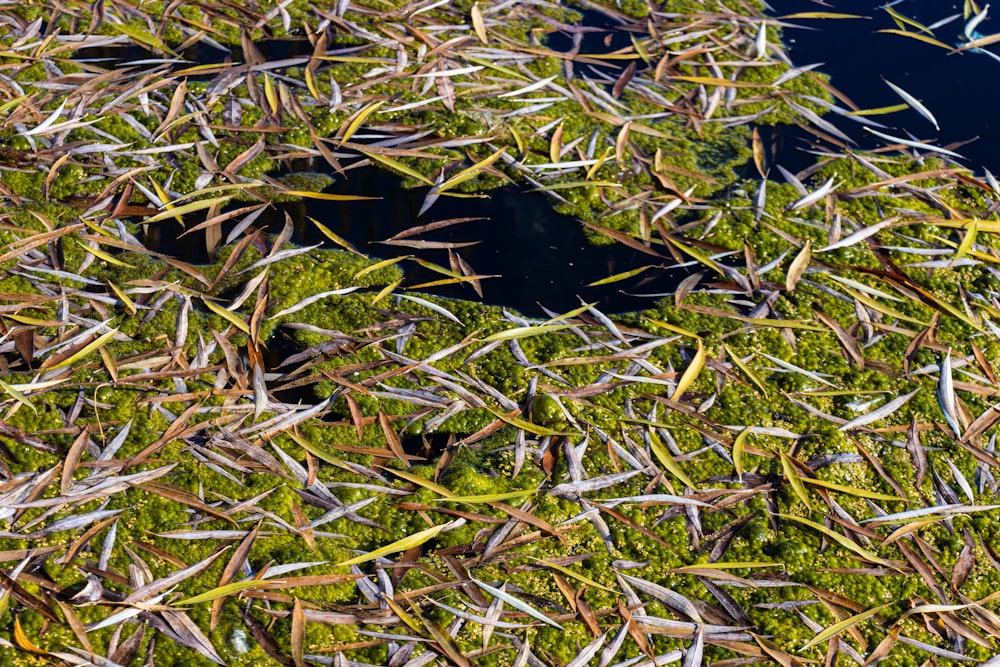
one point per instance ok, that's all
(487, 467)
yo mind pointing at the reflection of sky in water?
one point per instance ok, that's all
(959, 89)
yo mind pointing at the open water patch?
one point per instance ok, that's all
(956, 87)
(537, 256)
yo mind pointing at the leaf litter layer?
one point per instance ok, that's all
(289, 457)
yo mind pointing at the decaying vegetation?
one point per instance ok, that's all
(287, 456)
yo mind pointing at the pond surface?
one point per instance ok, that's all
(958, 88)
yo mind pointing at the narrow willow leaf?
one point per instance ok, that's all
(199, 205)
(675, 329)
(528, 426)
(352, 126)
(746, 370)
(222, 591)
(96, 344)
(850, 490)
(691, 372)
(878, 111)
(722, 83)
(822, 15)
(575, 575)
(271, 95)
(793, 477)
(946, 395)
(837, 628)
(880, 413)
(624, 275)
(967, 241)
(798, 266)
(739, 452)
(734, 565)
(478, 24)
(523, 332)
(517, 604)
(17, 395)
(489, 498)
(697, 255)
(396, 165)
(386, 291)
(914, 103)
(440, 310)
(882, 308)
(227, 315)
(468, 173)
(668, 461)
(298, 634)
(379, 265)
(22, 641)
(900, 19)
(404, 544)
(838, 538)
(326, 196)
(420, 481)
(100, 254)
(570, 314)
(142, 36)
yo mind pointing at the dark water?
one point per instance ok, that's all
(959, 89)
(540, 256)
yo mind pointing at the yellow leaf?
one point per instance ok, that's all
(524, 332)
(739, 452)
(667, 460)
(420, 481)
(746, 370)
(325, 196)
(575, 575)
(333, 236)
(478, 24)
(691, 372)
(386, 291)
(967, 241)
(838, 538)
(528, 426)
(379, 265)
(313, 84)
(798, 266)
(469, 172)
(404, 544)
(837, 628)
(674, 328)
(22, 640)
(130, 306)
(722, 83)
(697, 255)
(397, 166)
(918, 36)
(861, 493)
(624, 275)
(221, 592)
(87, 349)
(794, 479)
(822, 15)
(878, 111)
(227, 315)
(18, 396)
(191, 207)
(490, 498)
(100, 254)
(271, 95)
(354, 125)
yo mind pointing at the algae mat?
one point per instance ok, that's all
(289, 456)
